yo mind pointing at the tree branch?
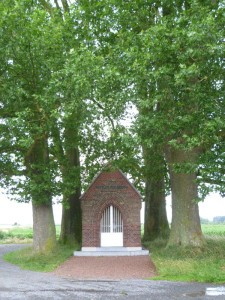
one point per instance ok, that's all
(65, 6)
(58, 8)
(57, 4)
(214, 181)
(103, 108)
(4, 114)
(57, 145)
(12, 148)
(46, 5)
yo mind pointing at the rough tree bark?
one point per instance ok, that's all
(67, 153)
(71, 224)
(185, 227)
(37, 167)
(44, 233)
(71, 221)
(156, 224)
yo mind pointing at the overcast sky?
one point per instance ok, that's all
(21, 213)
(12, 212)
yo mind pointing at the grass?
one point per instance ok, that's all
(193, 265)
(174, 263)
(26, 259)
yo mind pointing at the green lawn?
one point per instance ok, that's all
(26, 259)
(188, 264)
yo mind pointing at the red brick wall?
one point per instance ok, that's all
(111, 188)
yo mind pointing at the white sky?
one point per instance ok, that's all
(21, 213)
(12, 212)
(213, 205)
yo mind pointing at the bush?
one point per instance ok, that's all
(15, 235)
(2, 235)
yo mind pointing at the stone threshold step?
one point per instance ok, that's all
(111, 251)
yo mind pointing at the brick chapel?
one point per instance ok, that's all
(111, 213)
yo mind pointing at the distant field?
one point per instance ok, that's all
(213, 230)
(209, 230)
(15, 234)
(10, 233)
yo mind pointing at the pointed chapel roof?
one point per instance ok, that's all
(108, 169)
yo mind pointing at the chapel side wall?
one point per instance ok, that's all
(88, 225)
(132, 238)
(103, 193)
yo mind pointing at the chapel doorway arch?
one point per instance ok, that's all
(111, 227)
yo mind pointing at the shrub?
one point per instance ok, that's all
(2, 235)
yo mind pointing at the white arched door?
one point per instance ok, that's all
(111, 228)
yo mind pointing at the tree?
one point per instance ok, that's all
(156, 223)
(134, 19)
(82, 91)
(186, 74)
(29, 38)
(170, 75)
(56, 73)
(74, 68)
(66, 120)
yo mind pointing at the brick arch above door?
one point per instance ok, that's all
(116, 201)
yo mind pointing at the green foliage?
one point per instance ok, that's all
(3, 235)
(192, 264)
(173, 63)
(31, 44)
(68, 75)
(64, 80)
(26, 259)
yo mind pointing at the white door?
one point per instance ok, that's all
(111, 228)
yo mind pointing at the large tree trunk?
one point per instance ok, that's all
(186, 227)
(156, 224)
(71, 224)
(37, 167)
(71, 221)
(44, 233)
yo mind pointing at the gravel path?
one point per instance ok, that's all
(119, 267)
